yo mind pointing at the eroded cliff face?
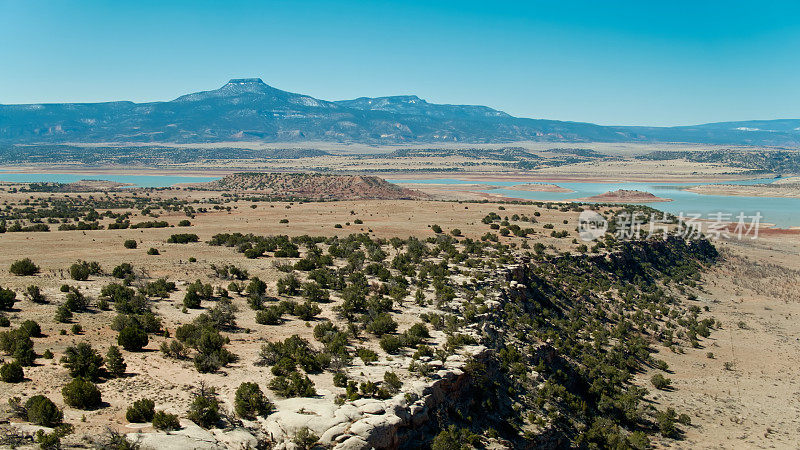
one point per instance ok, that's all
(558, 340)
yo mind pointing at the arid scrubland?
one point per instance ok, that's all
(539, 161)
(238, 319)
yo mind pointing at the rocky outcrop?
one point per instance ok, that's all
(400, 421)
(194, 437)
(403, 421)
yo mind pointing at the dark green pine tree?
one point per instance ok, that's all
(115, 363)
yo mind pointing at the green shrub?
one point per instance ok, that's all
(454, 438)
(79, 271)
(23, 352)
(63, 314)
(12, 372)
(81, 394)
(313, 292)
(75, 301)
(306, 311)
(250, 401)
(204, 410)
(7, 299)
(122, 271)
(295, 385)
(366, 355)
(153, 251)
(209, 344)
(165, 421)
(391, 382)
(288, 285)
(184, 223)
(295, 351)
(159, 288)
(30, 328)
(173, 349)
(132, 338)
(83, 361)
(141, 411)
(256, 287)
(638, 440)
(43, 412)
(235, 287)
(115, 363)
(381, 324)
(391, 344)
(305, 439)
(418, 330)
(48, 440)
(661, 382)
(17, 344)
(339, 379)
(196, 292)
(182, 238)
(666, 422)
(269, 316)
(459, 340)
(130, 244)
(24, 267)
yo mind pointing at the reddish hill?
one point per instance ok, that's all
(314, 186)
(626, 196)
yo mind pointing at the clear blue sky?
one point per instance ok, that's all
(637, 63)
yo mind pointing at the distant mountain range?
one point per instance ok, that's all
(250, 110)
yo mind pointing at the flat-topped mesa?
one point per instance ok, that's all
(246, 81)
(234, 88)
(239, 85)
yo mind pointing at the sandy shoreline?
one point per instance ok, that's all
(784, 190)
(538, 187)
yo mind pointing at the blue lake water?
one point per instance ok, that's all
(783, 212)
(136, 180)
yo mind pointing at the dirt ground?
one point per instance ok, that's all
(755, 401)
(785, 189)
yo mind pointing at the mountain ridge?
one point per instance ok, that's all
(247, 109)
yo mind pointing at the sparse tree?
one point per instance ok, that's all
(115, 363)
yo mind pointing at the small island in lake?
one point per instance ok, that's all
(626, 196)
